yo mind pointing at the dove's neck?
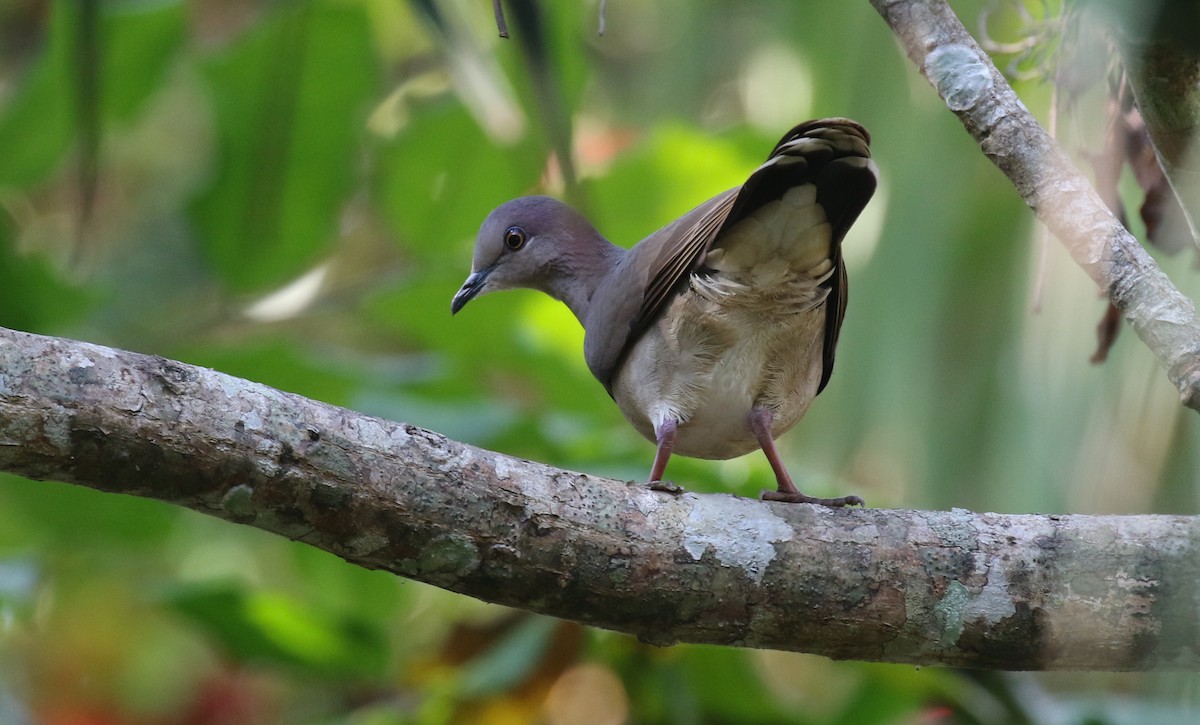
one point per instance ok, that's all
(581, 268)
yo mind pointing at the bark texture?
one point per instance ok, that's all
(922, 587)
(1061, 196)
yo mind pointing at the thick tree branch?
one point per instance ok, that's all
(956, 588)
(1058, 193)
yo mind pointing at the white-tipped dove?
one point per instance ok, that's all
(714, 333)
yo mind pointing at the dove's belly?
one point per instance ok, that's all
(709, 372)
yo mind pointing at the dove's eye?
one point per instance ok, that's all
(515, 238)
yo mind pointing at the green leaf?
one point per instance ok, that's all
(40, 511)
(137, 42)
(32, 296)
(673, 170)
(442, 175)
(266, 627)
(290, 98)
(510, 660)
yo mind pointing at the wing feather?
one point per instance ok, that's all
(834, 154)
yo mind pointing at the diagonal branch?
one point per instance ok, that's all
(955, 588)
(1060, 195)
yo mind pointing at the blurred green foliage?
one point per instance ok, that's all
(288, 192)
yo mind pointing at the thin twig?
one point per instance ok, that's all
(502, 26)
(1061, 196)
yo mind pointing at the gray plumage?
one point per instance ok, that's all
(713, 334)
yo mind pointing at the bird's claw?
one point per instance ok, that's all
(666, 487)
(798, 497)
